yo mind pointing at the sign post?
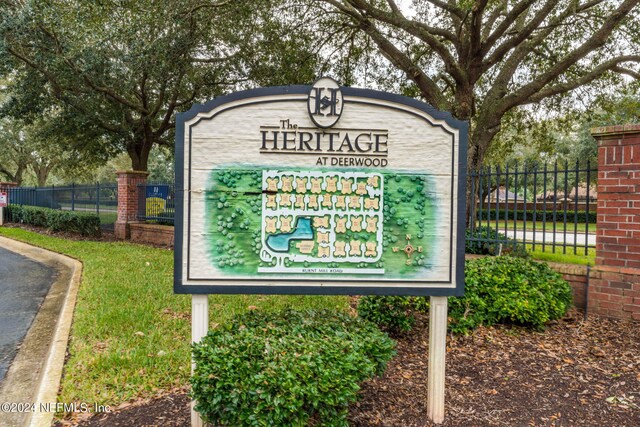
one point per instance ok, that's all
(437, 353)
(4, 201)
(199, 328)
(322, 190)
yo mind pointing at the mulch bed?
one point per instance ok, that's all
(575, 373)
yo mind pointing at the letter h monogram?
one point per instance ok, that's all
(323, 102)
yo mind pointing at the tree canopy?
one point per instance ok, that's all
(482, 59)
(115, 73)
(110, 76)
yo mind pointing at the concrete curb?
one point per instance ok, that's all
(35, 374)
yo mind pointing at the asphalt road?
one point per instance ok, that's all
(23, 286)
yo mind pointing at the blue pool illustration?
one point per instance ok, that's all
(280, 242)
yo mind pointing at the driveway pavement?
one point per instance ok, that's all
(538, 236)
(23, 286)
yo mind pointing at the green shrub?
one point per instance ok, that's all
(482, 241)
(83, 223)
(501, 289)
(286, 369)
(539, 215)
(394, 314)
(509, 290)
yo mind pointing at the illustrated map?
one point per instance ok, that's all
(306, 215)
(267, 221)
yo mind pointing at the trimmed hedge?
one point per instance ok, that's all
(393, 314)
(502, 289)
(286, 369)
(540, 215)
(86, 224)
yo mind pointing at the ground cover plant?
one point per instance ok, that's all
(289, 368)
(504, 289)
(394, 314)
(508, 289)
(131, 334)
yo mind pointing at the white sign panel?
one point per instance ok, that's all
(319, 189)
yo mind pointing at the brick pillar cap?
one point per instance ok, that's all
(615, 130)
(141, 173)
(8, 184)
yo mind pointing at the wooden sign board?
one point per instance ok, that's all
(319, 190)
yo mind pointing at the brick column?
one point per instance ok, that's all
(5, 186)
(616, 276)
(128, 182)
(618, 242)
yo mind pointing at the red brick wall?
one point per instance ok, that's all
(618, 234)
(154, 234)
(4, 186)
(576, 275)
(127, 200)
(613, 291)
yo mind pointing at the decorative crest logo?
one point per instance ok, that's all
(325, 102)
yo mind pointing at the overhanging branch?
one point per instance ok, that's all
(612, 65)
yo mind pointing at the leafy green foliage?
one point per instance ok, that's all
(509, 290)
(83, 223)
(540, 215)
(288, 368)
(502, 289)
(527, 55)
(113, 74)
(391, 313)
(485, 240)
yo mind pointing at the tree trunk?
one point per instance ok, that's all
(479, 141)
(15, 177)
(139, 154)
(42, 171)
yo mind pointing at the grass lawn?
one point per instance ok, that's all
(108, 217)
(558, 256)
(131, 334)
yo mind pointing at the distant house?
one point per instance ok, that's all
(581, 194)
(502, 195)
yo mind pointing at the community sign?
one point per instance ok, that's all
(319, 190)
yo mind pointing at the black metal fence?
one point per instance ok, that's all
(156, 203)
(543, 207)
(101, 199)
(546, 207)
